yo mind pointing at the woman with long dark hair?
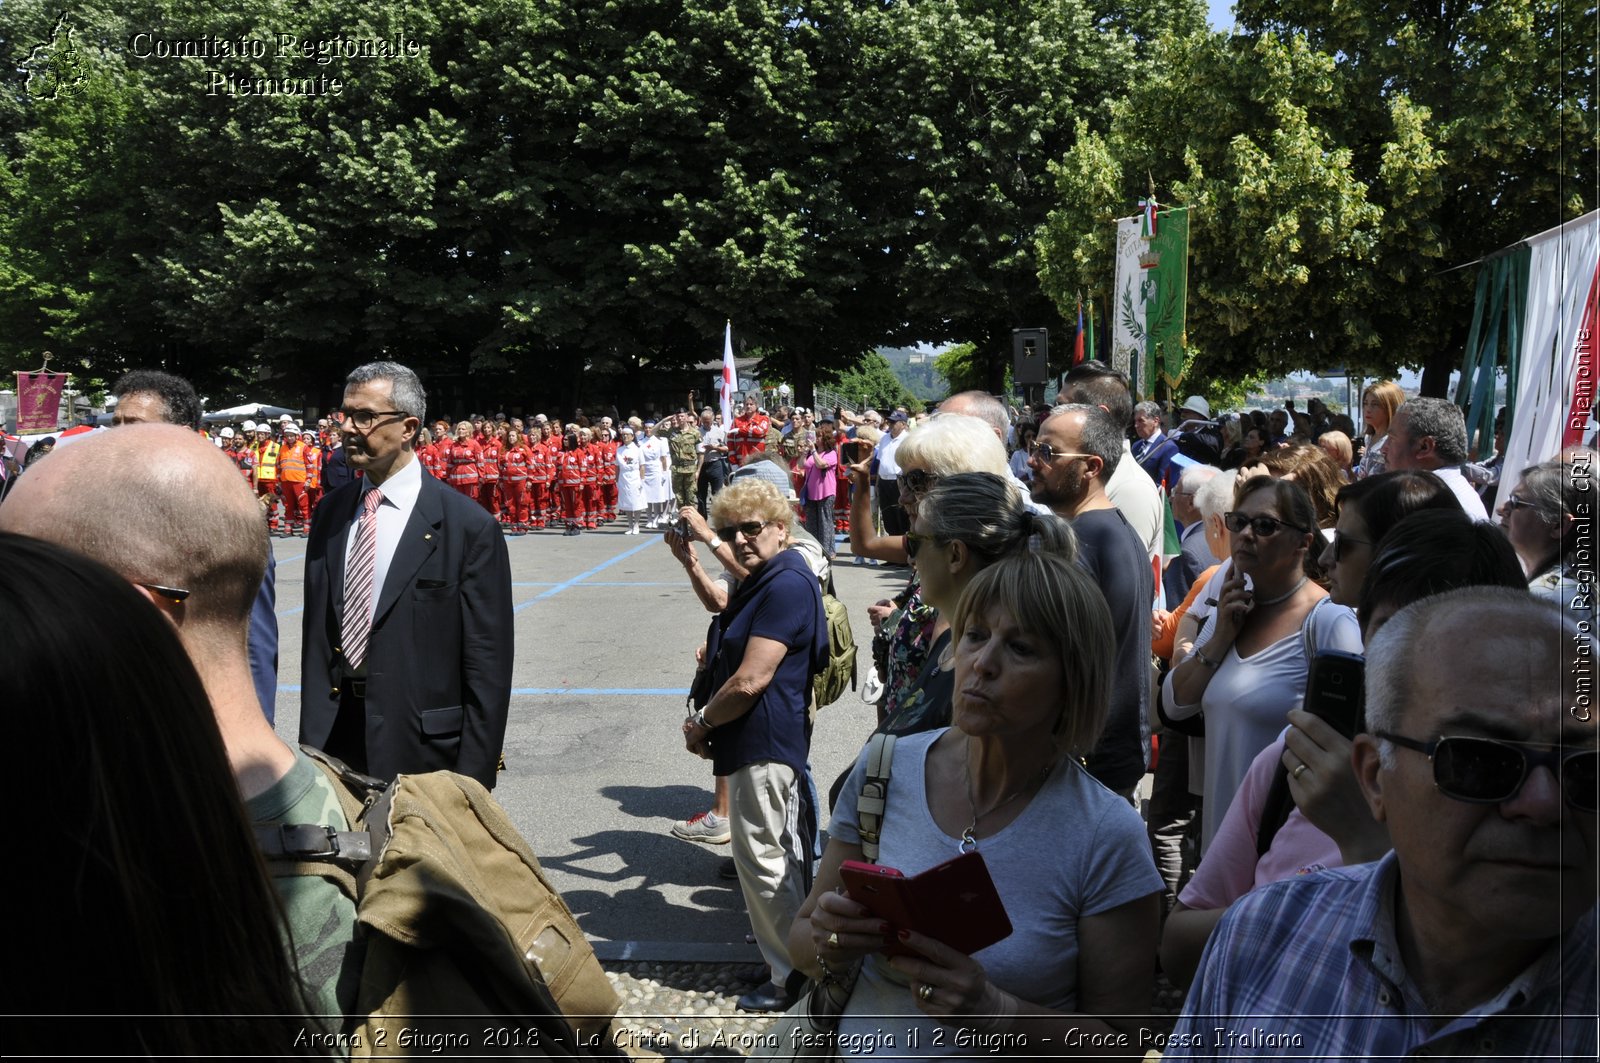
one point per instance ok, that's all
(143, 910)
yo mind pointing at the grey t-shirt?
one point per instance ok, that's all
(1077, 849)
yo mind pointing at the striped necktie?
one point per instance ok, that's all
(357, 626)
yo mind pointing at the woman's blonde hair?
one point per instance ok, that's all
(751, 498)
(1388, 393)
(953, 442)
(1060, 604)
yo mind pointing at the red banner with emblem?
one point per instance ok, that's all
(1587, 356)
(39, 400)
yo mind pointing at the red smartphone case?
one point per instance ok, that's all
(954, 902)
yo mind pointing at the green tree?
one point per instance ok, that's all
(872, 382)
(1339, 158)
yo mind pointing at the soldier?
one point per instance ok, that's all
(684, 447)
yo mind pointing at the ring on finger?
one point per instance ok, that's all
(1296, 773)
(925, 993)
(833, 940)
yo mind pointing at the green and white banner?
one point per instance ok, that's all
(1151, 295)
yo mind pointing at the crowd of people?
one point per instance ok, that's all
(1326, 873)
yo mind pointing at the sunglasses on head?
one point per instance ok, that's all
(749, 529)
(1487, 771)
(1262, 526)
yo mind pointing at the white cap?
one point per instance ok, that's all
(226, 433)
(1196, 404)
(249, 426)
(291, 429)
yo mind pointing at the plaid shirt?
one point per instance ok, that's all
(1309, 968)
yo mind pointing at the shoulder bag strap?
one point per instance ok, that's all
(874, 796)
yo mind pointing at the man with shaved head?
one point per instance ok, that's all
(146, 483)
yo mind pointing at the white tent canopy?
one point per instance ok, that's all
(253, 411)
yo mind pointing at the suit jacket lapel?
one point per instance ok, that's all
(420, 539)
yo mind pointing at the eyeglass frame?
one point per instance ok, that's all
(1550, 758)
(374, 418)
(1250, 522)
(1036, 446)
(175, 595)
(732, 531)
(1340, 537)
(917, 482)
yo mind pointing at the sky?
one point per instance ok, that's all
(1221, 16)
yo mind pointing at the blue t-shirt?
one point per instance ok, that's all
(786, 606)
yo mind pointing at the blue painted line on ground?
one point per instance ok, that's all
(580, 577)
(286, 560)
(296, 611)
(593, 692)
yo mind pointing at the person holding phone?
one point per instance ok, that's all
(1034, 652)
(1249, 663)
(821, 483)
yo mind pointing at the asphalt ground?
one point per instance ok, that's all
(596, 772)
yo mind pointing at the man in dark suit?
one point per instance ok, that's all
(406, 662)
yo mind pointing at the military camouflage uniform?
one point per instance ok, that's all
(684, 446)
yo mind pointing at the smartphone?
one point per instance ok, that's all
(954, 902)
(1336, 691)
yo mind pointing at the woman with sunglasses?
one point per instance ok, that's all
(964, 524)
(1367, 510)
(1328, 824)
(750, 717)
(1547, 518)
(1249, 663)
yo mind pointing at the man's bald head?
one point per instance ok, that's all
(158, 504)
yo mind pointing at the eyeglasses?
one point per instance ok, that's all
(749, 529)
(366, 420)
(1487, 771)
(1264, 527)
(914, 541)
(1514, 502)
(917, 481)
(1046, 453)
(175, 595)
(1339, 539)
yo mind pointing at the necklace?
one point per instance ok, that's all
(1290, 593)
(969, 837)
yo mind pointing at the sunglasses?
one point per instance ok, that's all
(1264, 527)
(1515, 502)
(1339, 539)
(1487, 771)
(917, 481)
(749, 529)
(1045, 453)
(914, 541)
(175, 595)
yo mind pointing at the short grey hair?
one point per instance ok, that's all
(1149, 409)
(1215, 497)
(984, 406)
(1192, 478)
(407, 394)
(1101, 435)
(1441, 419)
(1403, 641)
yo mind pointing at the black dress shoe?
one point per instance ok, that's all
(754, 974)
(727, 870)
(768, 997)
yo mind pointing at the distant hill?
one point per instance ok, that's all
(913, 366)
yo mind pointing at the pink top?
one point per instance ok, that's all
(1230, 868)
(820, 481)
